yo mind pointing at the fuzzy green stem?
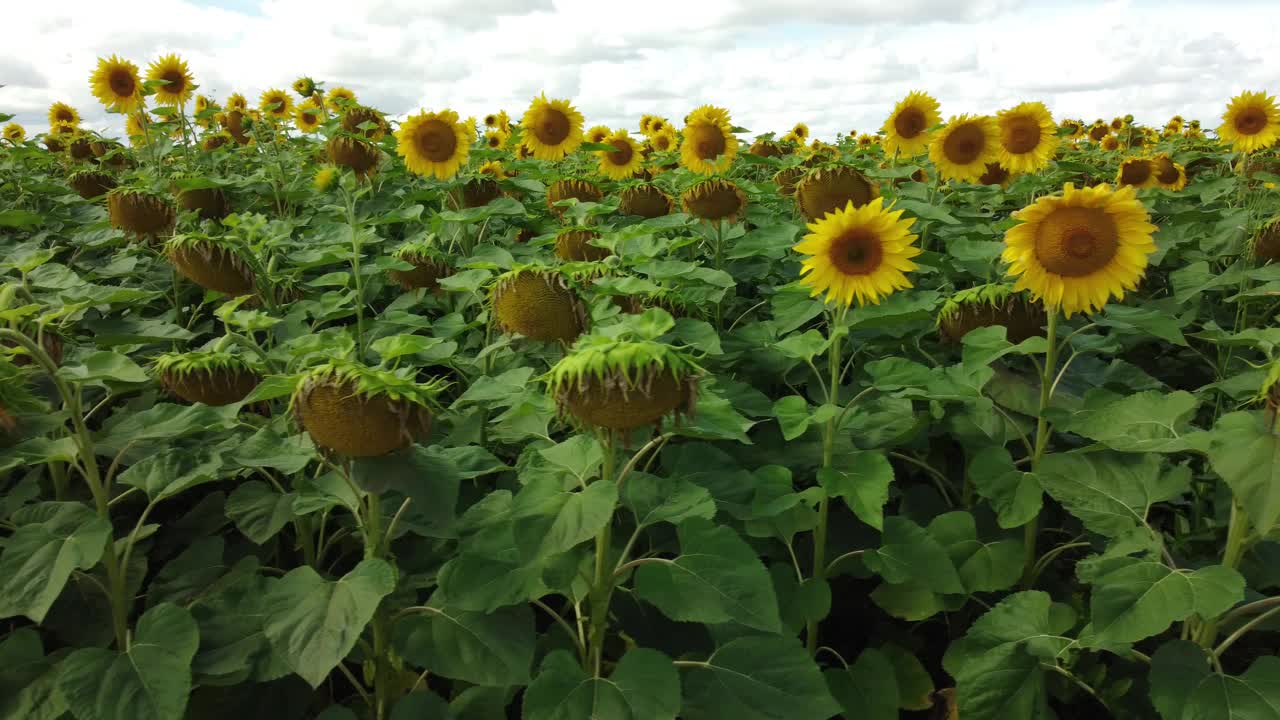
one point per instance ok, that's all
(602, 585)
(835, 332)
(1031, 532)
(1237, 535)
(355, 270)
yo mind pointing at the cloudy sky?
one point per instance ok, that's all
(835, 64)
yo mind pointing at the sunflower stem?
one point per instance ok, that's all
(602, 586)
(1031, 531)
(835, 333)
(1237, 537)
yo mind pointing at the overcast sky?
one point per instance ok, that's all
(834, 64)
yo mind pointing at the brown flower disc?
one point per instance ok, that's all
(337, 417)
(574, 245)
(786, 179)
(213, 268)
(1266, 246)
(539, 306)
(217, 387)
(480, 192)
(91, 184)
(714, 200)
(426, 273)
(141, 213)
(645, 201)
(210, 203)
(580, 190)
(766, 148)
(828, 189)
(354, 117)
(235, 125)
(356, 154)
(81, 148)
(610, 403)
(1021, 319)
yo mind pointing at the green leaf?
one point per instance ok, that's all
(313, 623)
(983, 566)
(803, 346)
(862, 479)
(1184, 688)
(794, 416)
(421, 705)
(149, 682)
(492, 649)
(424, 349)
(548, 521)
(910, 601)
(258, 511)
(1110, 492)
(1153, 321)
(868, 689)
(581, 455)
(909, 553)
(717, 578)
(40, 556)
(770, 241)
(643, 686)
(983, 346)
(28, 679)
(654, 499)
(233, 643)
(1144, 598)
(15, 218)
(104, 365)
(758, 678)
(1014, 495)
(915, 684)
(1246, 454)
(273, 387)
(1150, 421)
(172, 471)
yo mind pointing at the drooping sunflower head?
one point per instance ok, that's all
(116, 84)
(996, 174)
(434, 143)
(304, 86)
(276, 104)
(574, 245)
(597, 134)
(1137, 172)
(714, 201)
(552, 128)
(709, 144)
(766, 148)
(539, 303)
(645, 200)
(621, 385)
(801, 131)
(1078, 250)
(362, 120)
(309, 116)
(174, 81)
(988, 305)
(907, 129)
(15, 133)
(858, 254)
(61, 113)
(1028, 137)
(664, 141)
(828, 189)
(1110, 143)
(1168, 174)
(579, 190)
(338, 98)
(359, 155)
(495, 139)
(962, 149)
(1251, 122)
(624, 160)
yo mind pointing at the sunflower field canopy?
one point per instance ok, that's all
(315, 408)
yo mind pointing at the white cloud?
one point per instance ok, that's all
(835, 66)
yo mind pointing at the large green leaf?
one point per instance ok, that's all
(259, 511)
(40, 556)
(716, 578)
(868, 689)
(1014, 495)
(863, 480)
(1183, 687)
(168, 473)
(1150, 421)
(149, 682)
(233, 643)
(909, 553)
(28, 679)
(493, 649)
(758, 678)
(654, 499)
(1141, 599)
(1246, 454)
(547, 520)
(313, 623)
(1110, 492)
(643, 686)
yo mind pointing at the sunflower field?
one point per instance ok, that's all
(308, 411)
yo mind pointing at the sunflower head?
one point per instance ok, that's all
(988, 305)
(1078, 250)
(362, 120)
(14, 133)
(1110, 143)
(61, 113)
(434, 143)
(801, 131)
(624, 160)
(338, 98)
(276, 104)
(709, 144)
(765, 148)
(963, 148)
(1251, 122)
(309, 116)
(646, 201)
(659, 125)
(116, 84)
(135, 127)
(645, 121)
(1137, 172)
(304, 86)
(858, 254)
(235, 102)
(597, 134)
(359, 155)
(714, 201)
(664, 141)
(867, 141)
(539, 303)
(996, 174)
(174, 81)
(552, 128)
(1117, 124)
(579, 190)
(621, 385)
(1028, 137)
(787, 178)
(1168, 174)
(907, 129)
(1099, 130)
(827, 189)
(495, 139)
(1072, 128)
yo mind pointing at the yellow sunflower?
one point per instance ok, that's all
(276, 104)
(801, 131)
(1110, 143)
(644, 123)
(866, 141)
(339, 97)
(1077, 250)
(858, 253)
(1028, 137)
(236, 103)
(493, 169)
(664, 141)
(116, 84)
(1251, 122)
(496, 139)
(14, 133)
(1117, 124)
(304, 86)
(309, 116)
(907, 129)
(434, 143)
(657, 125)
(622, 162)
(135, 126)
(1168, 174)
(60, 113)
(962, 149)
(174, 81)
(709, 144)
(552, 128)
(1074, 129)
(1137, 172)
(1099, 130)
(598, 133)
(324, 177)
(791, 138)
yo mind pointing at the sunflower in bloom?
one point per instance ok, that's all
(1117, 124)
(434, 143)
(598, 133)
(622, 162)
(664, 141)
(907, 129)
(1099, 130)
(801, 131)
(1137, 172)
(304, 86)
(493, 169)
(236, 103)
(14, 133)
(309, 115)
(496, 139)
(962, 149)
(175, 82)
(1251, 122)
(866, 141)
(116, 84)
(60, 113)
(1168, 174)
(1078, 250)
(1028, 137)
(1074, 128)
(276, 104)
(792, 138)
(645, 120)
(552, 128)
(324, 177)
(135, 127)
(658, 125)
(709, 144)
(1110, 143)
(338, 97)
(860, 253)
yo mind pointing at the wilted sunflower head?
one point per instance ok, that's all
(338, 98)
(276, 104)
(116, 84)
(567, 188)
(598, 133)
(621, 385)
(14, 133)
(907, 128)
(304, 86)
(61, 113)
(309, 116)
(552, 128)
(434, 143)
(714, 201)
(996, 174)
(826, 190)
(709, 144)
(988, 305)
(624, 160)
(175, 83)
(365, 121)
(962, 149)
(1251, 122)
